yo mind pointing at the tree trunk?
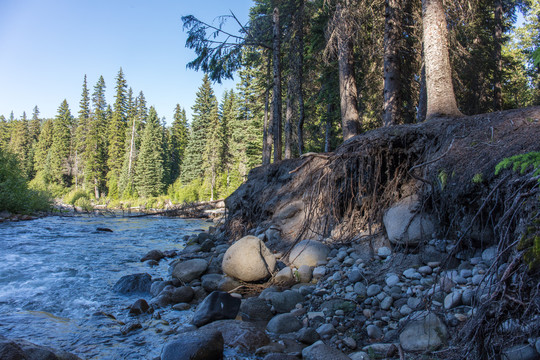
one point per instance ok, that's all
(328, 130)
(392, 31)
(300, 75)
(497, 55)
(441, 100)
(289, 117)
(267, 134)
(276, 118)
(422, 98)
(350, 119)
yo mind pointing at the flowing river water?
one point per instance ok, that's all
(57, 274)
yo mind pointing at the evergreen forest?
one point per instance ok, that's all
(310, 75)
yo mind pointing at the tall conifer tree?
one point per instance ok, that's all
(150, 173)
(205, 107)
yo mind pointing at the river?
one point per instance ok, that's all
(57, 274)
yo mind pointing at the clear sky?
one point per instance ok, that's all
(47, 46)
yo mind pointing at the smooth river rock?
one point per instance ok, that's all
(249, 259)
(189, 270)
(195, 345)
(216, 306)
(424, 331)
(308, 252)
(133, 283)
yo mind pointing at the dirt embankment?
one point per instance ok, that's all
(448, 162)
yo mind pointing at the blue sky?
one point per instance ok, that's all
(47, 46)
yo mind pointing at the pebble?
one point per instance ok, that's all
(425, 270)
(319, 272)
(349, 342)
(384, 252)
(412, 274)
(373, 290)
(374, 332)
(392, 280)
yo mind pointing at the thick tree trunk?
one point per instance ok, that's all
(131, 148)
(497, 55)
(300, 75)
(276, 117)
(422, 98)
(267, 134)
(392, 28)
(350, 119)
(289, 117)
(440, 91)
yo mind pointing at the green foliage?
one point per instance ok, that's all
(530, 244)
(478, 178)
(75, 195)
(521, 163)
(188, 193)
(443, 179)
(15, 196)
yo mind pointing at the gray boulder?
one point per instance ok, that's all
(404, 225)
(135, 283)
(249, 259)
(139, 307)
(25, 350)
(285, 301)
(195, 345)
(216, 306)
(308, 252)
(284, 324)
(321, 351)
(244, 336)
(255, 309)
(189, 270)
(424, 331)
(153, 255)
(210, 282)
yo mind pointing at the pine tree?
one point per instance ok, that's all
(149, 170)
(43, 150)
(205, 107)
(178, 141)
(81, 133)
(95, 154)
(34, 127)
(117, 134)
(212, 151)
(19, 145)
(61, 146)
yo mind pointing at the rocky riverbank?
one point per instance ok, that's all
(322, 301)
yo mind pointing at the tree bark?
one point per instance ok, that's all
(267, 134)
(289, 117)
(277, 122)
(350, 119)
(422, 98)
(497, 55)
(300, 74)
(328, 130)
(392, 27)
(441, 100)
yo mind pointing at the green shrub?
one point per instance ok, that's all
(74, 195)
(84, 203)
(15, 196)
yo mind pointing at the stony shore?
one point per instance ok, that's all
(322, 301)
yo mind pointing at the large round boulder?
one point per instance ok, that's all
(424, 331)
(189, 270)
(308, 252)
(404, 223)
(249, 259)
